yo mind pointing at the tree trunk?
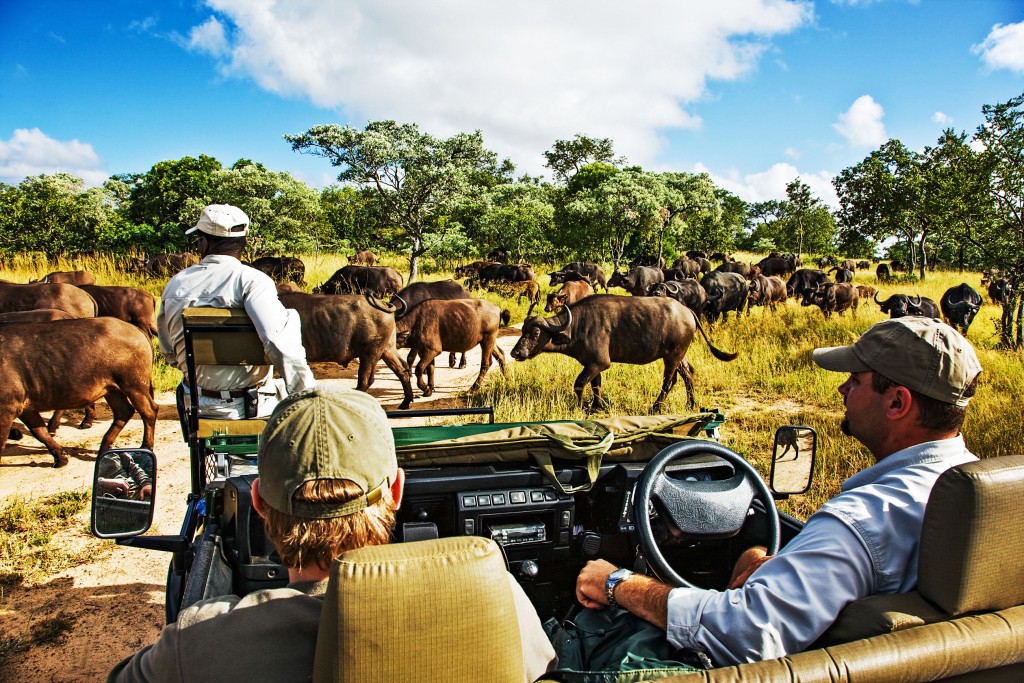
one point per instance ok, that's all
(924, 255)
(414, 259)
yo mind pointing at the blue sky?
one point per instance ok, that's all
(755, 92)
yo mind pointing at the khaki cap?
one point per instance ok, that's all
(222, 220)
(326, 433)
(919, 353)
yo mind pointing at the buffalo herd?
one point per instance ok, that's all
(67, 342)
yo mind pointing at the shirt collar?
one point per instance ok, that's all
(219, 258)
(927, 452)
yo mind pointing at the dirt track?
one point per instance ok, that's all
(117, 601)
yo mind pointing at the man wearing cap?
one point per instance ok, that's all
(328, 482)
(909, 383)
(221, 280)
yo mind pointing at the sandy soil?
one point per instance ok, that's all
(117, 600)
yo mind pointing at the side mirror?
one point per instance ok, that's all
(793, 460)
(123, 489)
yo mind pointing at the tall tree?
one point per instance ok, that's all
(518, 216)
(567, 157)
(691, 204)
(416, 176)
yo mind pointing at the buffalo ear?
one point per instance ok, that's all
(560, 338)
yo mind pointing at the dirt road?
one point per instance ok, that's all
(116, 601)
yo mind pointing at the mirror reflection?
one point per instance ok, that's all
(123, 487)
(793, 460)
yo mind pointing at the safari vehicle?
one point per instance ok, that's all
(553, 495)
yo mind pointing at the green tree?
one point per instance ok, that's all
(692, 209)
(518, 216)
(417, 177)
(567, 157)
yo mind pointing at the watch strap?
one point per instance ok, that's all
(614, 579)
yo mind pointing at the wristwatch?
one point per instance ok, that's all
(614, 579)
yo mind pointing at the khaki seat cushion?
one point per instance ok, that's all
(209, 427)
(431, 610)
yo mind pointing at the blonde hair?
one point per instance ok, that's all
(302, 542)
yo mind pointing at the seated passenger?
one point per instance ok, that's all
(906, 396)
(221, 280)
(328, 482)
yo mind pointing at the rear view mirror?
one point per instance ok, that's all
(793, 459)
(122, 492)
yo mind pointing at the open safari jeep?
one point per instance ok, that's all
(655, 493)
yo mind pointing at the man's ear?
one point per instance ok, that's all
(257, 501)
(899, 403)
(397, 487)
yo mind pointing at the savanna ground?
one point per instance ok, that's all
(71, 606)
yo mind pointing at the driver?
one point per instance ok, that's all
(906, 395)
(328, 482)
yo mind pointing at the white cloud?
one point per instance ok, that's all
(771, 184)
(1003, 47)
(792, 153)
(942, 119)
(861, 124)
(526, 73)
(209, 37)
(32, 152)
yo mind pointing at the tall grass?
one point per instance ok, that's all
(772, 383)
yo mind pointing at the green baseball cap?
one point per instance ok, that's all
(920, 353)
(326, 433)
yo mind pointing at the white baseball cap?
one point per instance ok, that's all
(222, 220)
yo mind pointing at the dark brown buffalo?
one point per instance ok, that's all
(362, 258)
(866, 291)
(745, 269)
(570, 293)
(341, 328)
(959, 306)
(638, 281)
(498, 255)
(377, 280)
(125, 303)
(687, 292)
(1000, 291)
(421, 291)
(603, 329)
(69, 277)
(455, 325)
(523, 288)
(471, 270)
(69, 298)
(282, 268)
(581, 270)
(899, 305)
(67, 364)
(725, 292)
(501, 272)
(833, 297)
(649, 261)
(766, 291)
(863, 265)
(883, 273)
(162, 265)
(777, 265)
(804, 280)
(688, 267)
(842, 274)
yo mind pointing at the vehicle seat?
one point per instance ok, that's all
(971, 554)
(432, 610)
(219, 336)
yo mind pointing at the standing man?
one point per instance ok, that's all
(221, 280)
(909, 383)
(328, 482)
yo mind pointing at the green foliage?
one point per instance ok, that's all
(566, 158)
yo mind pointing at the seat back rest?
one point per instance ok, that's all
(971, 544)
(439, 609)
(223, 336)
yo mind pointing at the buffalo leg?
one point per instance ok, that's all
(499, 356)
(123, 412)
(591, 375)
(487, 348)
(425, 366)
(7, 430)
(401, 370)
(87, 421)
(34, 421)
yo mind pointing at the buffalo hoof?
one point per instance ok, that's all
(405, 404)
(462, 365)
(427, 392)
(14, 435)
(59, 460)
(85, 425)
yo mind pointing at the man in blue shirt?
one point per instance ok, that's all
(909, 383)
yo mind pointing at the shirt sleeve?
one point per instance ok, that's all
(281, 332)
(784, 606)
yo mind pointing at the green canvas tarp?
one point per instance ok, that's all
(622, 438)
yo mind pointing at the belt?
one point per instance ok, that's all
(226, 394)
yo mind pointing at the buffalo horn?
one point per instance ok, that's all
(882, 303)
(559, 328)
(917, 303)
(372, 299)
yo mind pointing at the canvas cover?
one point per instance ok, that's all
(615, 439)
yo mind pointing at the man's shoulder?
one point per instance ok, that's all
(221, 605)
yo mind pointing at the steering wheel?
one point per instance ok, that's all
(699, 509)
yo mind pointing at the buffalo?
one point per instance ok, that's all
(824, 262)
(1000, 291)
(162, 265)
(687, 267)
(766, 291)
(570, 293)
(804, 280)
(866, 291)
(696, 254)
(416, 292)
(470, 270)
(687, 292)
(69, 277)
(377, 280)
(883, 273)
(833, 297)
(454, 325)
(69, 298)
(498, 255)
(524, 288)
(745, 269)
(648, 261)
(71, 364)
(863, 265)
(899, 305)
(502, 272)
(129, 304)
(638, 280)
(282, 268)
(959, 305)
(362, 258)
(580, 270)
(341, 328)
(603, 329)
(725, 292)
(777, 265)
(842, 274)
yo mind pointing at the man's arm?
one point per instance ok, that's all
(645, 597)
(280, 330)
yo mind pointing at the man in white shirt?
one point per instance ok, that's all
(221, 280)
(909, 383)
